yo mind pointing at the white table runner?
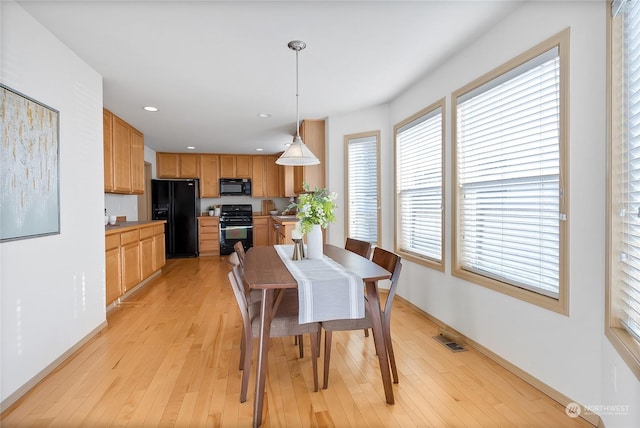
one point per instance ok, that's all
(326, 290)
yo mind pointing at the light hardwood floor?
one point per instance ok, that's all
(169, 357)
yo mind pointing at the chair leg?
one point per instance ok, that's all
(300, 345)
(366, 332)
(314, 359)
(246, 368)
(242, 350)
(392, 359)
(327, 358)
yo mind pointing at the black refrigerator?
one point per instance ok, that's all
(177, 202)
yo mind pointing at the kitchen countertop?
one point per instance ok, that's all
(124, 226)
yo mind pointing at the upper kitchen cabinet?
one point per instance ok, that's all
(209, 176)
(235, 166)
(123, 156)
(258, 184)
(177, 165)
(278, 181)
(313, 135)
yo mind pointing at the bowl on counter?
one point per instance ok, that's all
(273, 212)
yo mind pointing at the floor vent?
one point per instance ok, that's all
(449, 344)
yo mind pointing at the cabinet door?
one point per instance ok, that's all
(313, 134)
(107, 132)
(159, 251)
(243, 166)
(121, 156)
(257, 177)
(272, 177)
(130, 259)
(260, 231)
(228, 166)
(209, 176)
(137, 162)
(113, 274)
(167, 165)
(189, 165)
(146, 257)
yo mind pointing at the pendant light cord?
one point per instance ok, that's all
(297, 98)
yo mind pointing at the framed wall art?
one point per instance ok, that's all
(29, 167)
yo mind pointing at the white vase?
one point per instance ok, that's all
(314, 243)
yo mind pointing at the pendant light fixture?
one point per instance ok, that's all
(298, 154)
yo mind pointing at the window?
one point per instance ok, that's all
(623, 252)
(419, 186)
(510, 190)
(362, 193)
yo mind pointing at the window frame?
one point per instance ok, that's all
(561, 303)
(347, 139)
(623, 342)
(438, 265)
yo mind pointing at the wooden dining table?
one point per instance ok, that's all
(265, 271)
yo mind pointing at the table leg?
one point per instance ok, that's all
(378, 335)
(263, 352)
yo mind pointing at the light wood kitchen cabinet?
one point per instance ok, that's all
(278, 182)
(312, 132)
(260, 230)
(107, 131)
(281, 229)
(137, 158)
(167, 165)
(235, 166)
(258, 183)
(209, 176)
(158, 250)
(112, 268)
(130, 259)
(146, 252)
(121, 156)
(177, 165)
(123, 148)
(133, 253)
(209, 239)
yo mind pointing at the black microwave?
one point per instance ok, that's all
(235, 187)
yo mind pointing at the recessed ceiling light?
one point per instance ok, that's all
(190, 148)
(287, 144)
(259, 150)
(264, 115)
(150, 108)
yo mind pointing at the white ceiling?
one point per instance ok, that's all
(212, 66)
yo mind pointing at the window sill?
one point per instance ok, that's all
(627, 347)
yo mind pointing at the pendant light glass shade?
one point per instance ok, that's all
(298, 154)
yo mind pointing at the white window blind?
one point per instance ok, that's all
(362, 190)
(419, 185)
(508, 176)
(629, 175)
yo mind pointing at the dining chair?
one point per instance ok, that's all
(391, 262)
(362, 248)
(284, 323)
(239, 249)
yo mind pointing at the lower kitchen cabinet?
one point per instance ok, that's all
(260, 231)
(208, 235)
(133, 252)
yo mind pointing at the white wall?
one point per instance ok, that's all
(52, 288)
(570, 354)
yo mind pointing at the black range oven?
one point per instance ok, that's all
(236, 224)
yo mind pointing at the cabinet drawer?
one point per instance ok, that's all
(129, 237)
(208, 221)
(206, 246)
(209, 229)
(146, 232)
(158, 229)
(112, 241)
(208, 237)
